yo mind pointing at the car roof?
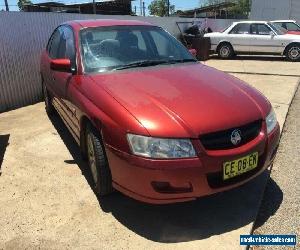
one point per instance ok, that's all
(250, 22)
(283, 21)
(107, 22)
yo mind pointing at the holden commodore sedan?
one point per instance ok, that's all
(255, 37)
(151, 121)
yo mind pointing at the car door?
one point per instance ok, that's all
(239, 37)
(263, 39)
(64, 50)
(62, 46)
(68, 81)
(51, 53)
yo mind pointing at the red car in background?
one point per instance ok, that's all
(291, 26)
(152, 121)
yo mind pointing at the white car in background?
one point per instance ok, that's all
(255, 37)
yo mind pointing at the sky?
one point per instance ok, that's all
(179, 4)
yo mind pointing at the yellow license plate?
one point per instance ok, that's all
(240, 166)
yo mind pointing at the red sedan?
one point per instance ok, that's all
(153, 122)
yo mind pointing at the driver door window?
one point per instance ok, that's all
(263, 29)
(67, 46)
(53, 44)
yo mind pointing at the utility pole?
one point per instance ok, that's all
(134, 9)
(94, 6)
(6, 5)
(168, 6)
(141, 7)
(144, 11)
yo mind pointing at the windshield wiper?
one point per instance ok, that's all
(183, 60)
(147, 63)
(144, 63)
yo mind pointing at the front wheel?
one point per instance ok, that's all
(225, 51)
(293, 53)
(98, 163)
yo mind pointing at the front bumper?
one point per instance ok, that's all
(169, 181)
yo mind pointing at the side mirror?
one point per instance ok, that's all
(193, 52)
(63, 65)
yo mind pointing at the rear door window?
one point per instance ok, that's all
(241, 28)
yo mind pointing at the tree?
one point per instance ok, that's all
(160, 8)
(172, 9)
(22, 3)
(242, 8)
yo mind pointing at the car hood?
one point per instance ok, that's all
(184, 100)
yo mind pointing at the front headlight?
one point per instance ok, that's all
(271, 121)
(160, 148)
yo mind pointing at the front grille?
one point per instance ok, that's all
(222, 139)
(215, 180)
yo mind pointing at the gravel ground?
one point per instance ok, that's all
(282, 195)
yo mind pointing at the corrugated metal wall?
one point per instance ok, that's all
(270, 9)
(295, 10)
(275, 9)
(23, 36)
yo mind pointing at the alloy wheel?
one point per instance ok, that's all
(92, 158)
(294, 53)
(225, 51)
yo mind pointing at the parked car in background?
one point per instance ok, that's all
(152, 121)
(255, 37)
(291, 26)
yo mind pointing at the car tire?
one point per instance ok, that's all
(225, 51)
(48, 101)
(293, 53)
(97, 162)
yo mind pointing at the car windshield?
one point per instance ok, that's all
(293, 26)
(224, 29)
(298, 25)
(121, 47)
(278, 29)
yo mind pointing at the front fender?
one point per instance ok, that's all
(97, 106)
